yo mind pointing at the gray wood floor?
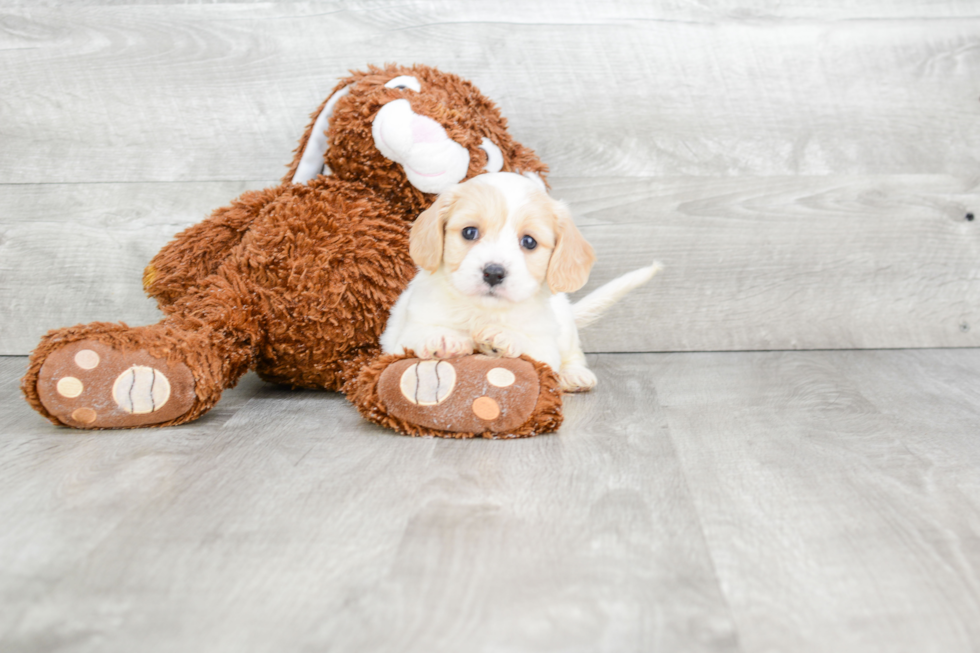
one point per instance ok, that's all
(781, 501)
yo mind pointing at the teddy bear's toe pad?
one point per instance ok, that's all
(88, 384)
(471, 394)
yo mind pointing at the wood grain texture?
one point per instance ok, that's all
(802, 168)
(67, 495)
(819, 500)
(75, 253)
(295, 525)
(790, 501)
(761, 263)
(785, 263)
(667, 10)
(222, 91)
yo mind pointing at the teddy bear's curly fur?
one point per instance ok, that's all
(294, 281)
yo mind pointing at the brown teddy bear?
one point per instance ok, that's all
(296, 281)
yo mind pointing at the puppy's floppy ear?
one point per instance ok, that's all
(429, 232)
(573, 256)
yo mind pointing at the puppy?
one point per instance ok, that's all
(496, 256)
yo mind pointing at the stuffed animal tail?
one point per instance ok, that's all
(591, 307)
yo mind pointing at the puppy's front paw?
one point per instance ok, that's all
(447, 346)
(576, 378)
(494, 341)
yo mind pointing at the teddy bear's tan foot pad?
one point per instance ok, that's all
(470, 394)
(87, 384)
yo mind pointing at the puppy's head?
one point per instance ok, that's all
(500, 238)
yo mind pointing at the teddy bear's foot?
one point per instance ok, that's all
(460, 397)
(91, 385)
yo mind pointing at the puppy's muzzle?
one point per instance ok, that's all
(493, 274)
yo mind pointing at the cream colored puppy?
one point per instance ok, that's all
(496, 256)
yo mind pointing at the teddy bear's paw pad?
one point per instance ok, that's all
(88, 384)
(471, 394)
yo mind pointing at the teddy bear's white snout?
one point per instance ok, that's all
(426, 130)
(432, 161)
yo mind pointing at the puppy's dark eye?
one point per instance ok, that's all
(471, 233)
(528, 243)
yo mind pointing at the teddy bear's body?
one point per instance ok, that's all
(296, 281)
(304, 277)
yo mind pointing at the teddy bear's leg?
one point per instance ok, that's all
(459, 397)
(105, 375)
(198, 251)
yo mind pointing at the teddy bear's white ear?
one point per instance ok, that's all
(311, 163)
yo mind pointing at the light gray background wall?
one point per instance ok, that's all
(803, 169)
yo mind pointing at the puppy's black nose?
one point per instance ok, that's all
(493, 273)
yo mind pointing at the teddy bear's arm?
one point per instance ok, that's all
(196, 252)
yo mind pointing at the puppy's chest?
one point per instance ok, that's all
(530, 319)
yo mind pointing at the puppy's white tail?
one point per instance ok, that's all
(591, 307)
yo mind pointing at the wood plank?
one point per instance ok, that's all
(797, 501)
(222, 91)
(905, 385)
(785, 263)
(66, 494)
(75, 253)
(761, 263)
(296, 525)
(840, 515)
(667, 10)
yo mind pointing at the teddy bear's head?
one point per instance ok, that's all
(410, 132)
